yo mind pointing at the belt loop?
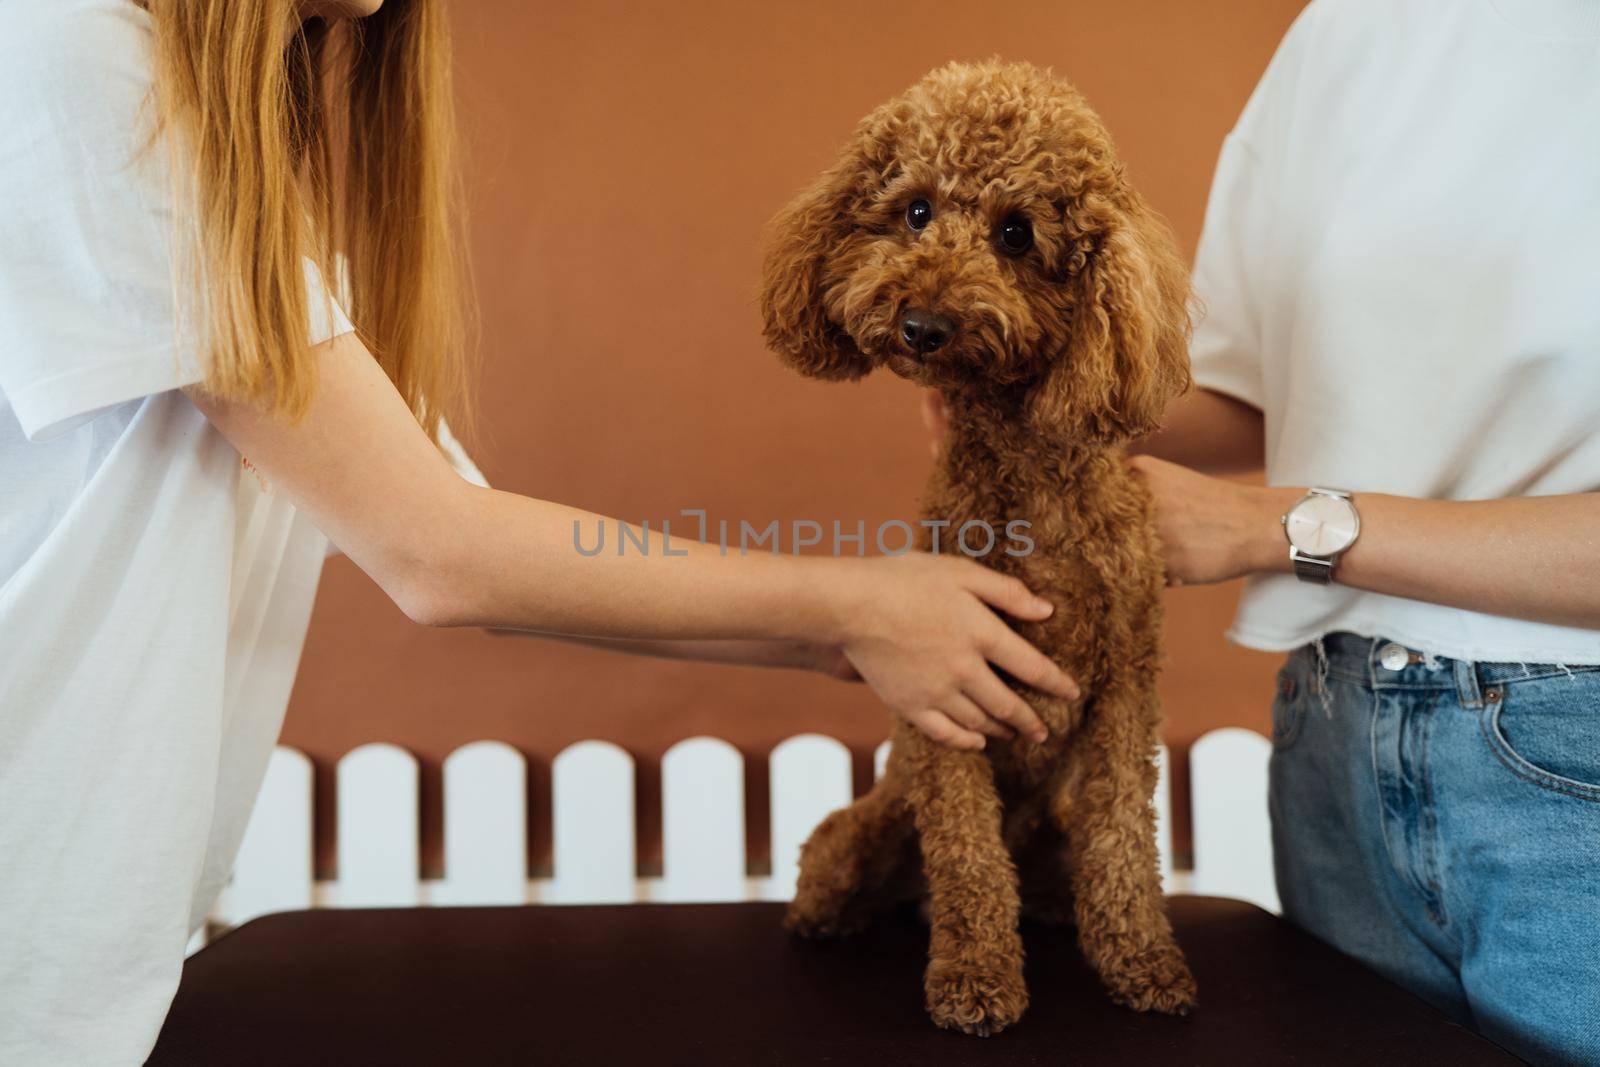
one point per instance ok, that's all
(1467, 684)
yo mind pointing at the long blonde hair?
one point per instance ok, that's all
(328, 140)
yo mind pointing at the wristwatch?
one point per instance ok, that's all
(1320, 528)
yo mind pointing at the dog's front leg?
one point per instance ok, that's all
(1102, 804)
(853, 861)
(974, 979)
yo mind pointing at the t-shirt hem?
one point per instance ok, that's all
(55, 405)
(1263, 641)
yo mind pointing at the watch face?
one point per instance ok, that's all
(1321, 525)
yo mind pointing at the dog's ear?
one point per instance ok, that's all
(1128, 353)
(799, 241)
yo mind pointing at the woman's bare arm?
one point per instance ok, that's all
(791, 655)
(918, 628)
(1524, 557)
(1204, 430)
(1211, 432)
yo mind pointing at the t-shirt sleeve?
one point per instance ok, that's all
(1241, 213)
(1225, 355)
(90, 313)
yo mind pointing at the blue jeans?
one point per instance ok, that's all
(1439, 820)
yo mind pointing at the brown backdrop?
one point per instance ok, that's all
(623, 159)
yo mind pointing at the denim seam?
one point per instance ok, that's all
(1293, 713)
(1366, 678)
(1430, 829)
(1324, 679)
(1557, 672)
(1378, 781)
(1369, 683)
(1363, 679)
(1520, 767)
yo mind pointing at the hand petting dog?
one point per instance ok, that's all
(1211, 529)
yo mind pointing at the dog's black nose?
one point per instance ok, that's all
(926, 331)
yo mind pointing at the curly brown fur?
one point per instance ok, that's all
(1058, 355)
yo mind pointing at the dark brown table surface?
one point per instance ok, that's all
(723, 984)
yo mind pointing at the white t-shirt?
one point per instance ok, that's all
(154, 594)
(1399, 265)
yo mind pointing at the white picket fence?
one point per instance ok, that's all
(703, 832)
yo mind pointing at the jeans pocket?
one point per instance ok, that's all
(1288, 705)
(1547, 731)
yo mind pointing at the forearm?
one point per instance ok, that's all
(1524, 557)
(450, 553)
(732, 651)
(1209, 432)
(512, 562)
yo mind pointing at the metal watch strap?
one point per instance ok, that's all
(1312, 568)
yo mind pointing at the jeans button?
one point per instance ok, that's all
(1394, 656)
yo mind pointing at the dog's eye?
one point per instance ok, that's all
(918, 214)
(1016, 235)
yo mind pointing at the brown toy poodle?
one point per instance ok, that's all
(978, 236)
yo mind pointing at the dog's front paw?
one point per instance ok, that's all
(1155, 980)
(978, 1000)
